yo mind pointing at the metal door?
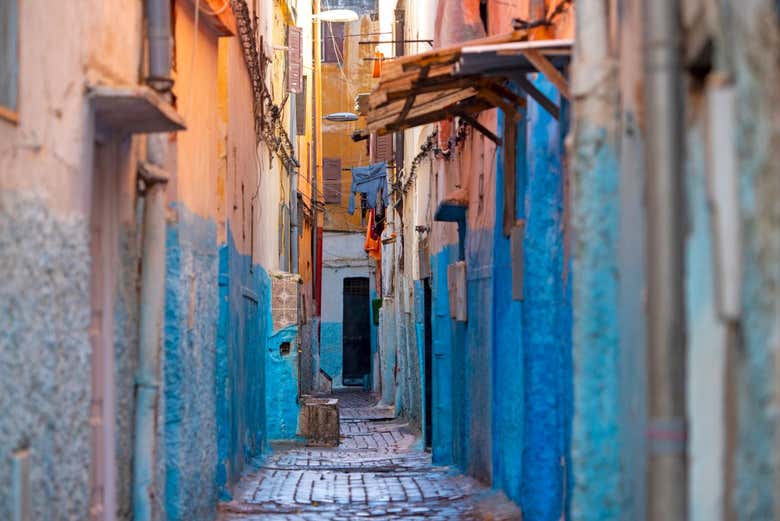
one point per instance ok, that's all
(356, 340)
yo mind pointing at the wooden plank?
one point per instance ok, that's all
(409, 79)
(470, 106)
(517, 254)
(544, 66)
(456, 282)
(417, 111)
(510, 175)
(439, 84)
(428, 103)
(506, 93)
(410, 101)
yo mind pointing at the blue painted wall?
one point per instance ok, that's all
(545, 319)
(508, 375)
(281, 384)
(598, 440)
(191, 309)
(243, 329)
(331, 355)
(443, 355)
(502, 391)
(45, 354)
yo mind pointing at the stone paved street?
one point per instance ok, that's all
(377, 472)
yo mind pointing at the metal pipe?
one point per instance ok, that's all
(150, 336)
(667, 477)
(158, 17)
(316, 275)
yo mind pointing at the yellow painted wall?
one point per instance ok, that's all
(341, 83)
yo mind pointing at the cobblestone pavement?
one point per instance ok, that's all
(377, 472)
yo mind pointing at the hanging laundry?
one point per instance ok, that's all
(373, 245)
(379, 214)
(368, 180)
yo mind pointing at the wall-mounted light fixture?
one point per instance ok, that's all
(341, 117)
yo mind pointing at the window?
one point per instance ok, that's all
(9, 58)
(294, 60)
(332, 42)
(331, 177)
(382, 148)
(300, 109)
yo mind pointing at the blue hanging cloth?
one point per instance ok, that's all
(369, 180)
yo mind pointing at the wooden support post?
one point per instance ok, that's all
(544, 66)
(480, 127)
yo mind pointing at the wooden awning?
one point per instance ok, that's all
(465, 79)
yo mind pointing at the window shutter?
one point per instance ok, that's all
(300, 109)
(333, 42)
(331, 174)
(382, 149)
(295, 60)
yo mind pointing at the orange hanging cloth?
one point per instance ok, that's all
(372, 246)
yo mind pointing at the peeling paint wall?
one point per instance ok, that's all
(756, 49)
(281, 393)
(240, 369)
(191, 308)
(46, 180)
(45, 355)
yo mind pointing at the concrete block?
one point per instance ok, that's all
(319, 421)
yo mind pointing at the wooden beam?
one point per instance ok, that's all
(438, 103)
(381, 98)
(539, 96)
(510, 175)
(544, 66)
(479, 126)
(506, 93)
(497, 101)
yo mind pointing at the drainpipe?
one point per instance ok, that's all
(294, 268)
(317, 138)
(294, 224)
(150, 336)
(158, 19)
(158, 16)
(667, 479)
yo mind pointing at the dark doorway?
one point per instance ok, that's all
(356, 343)
(428, 366)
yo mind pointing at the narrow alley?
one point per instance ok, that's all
(333, 260)
(379, 471)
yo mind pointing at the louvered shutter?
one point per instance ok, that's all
(295, 69)
(331, 174)
(300, 109)
(382, 149)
